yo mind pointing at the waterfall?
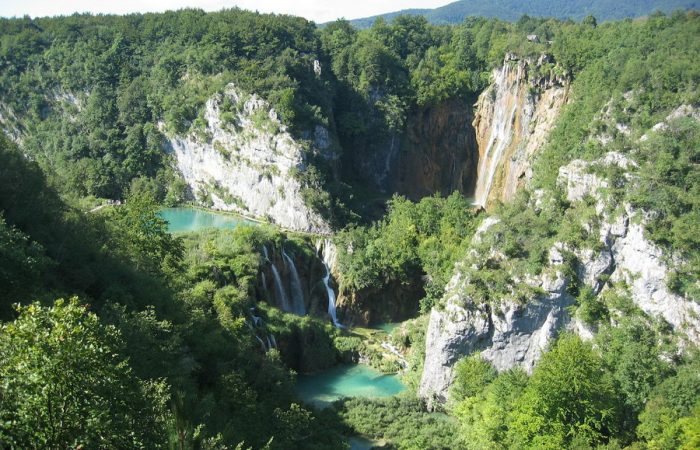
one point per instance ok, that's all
(269, 344)
(261, 342)
(282, 301)
(327, 256)
(274, 342)
(389, 157)
(500, 136)
(298, 306)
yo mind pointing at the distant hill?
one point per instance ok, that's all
(512, 10)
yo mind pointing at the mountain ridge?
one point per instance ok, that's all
(511, 10)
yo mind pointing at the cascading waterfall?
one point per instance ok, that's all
(262, 344)
(281, 296)
(274, 341)
(298, 306)
(500, 137)
(327, 258)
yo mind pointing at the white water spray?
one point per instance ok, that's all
(327, 256)
(501, 134)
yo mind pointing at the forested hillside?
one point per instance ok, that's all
(561, 309)
(511, 10)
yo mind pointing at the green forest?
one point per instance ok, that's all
(116, 333)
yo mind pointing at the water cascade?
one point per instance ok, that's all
(298, 306)
(501, 133)
(281, 296)
(262, 344)
(327, 256)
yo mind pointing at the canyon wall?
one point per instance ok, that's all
(511, 333)
(437, 152)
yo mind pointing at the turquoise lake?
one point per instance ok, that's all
(346, 381)
(387, 327)
(193, 219)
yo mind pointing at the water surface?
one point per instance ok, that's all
(356, 380)
(386, 327)
(193, 219)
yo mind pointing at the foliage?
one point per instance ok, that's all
(414, 238)
(511, 10)
(65, 384)
(400, 420)
(569, 397)
(472, 376)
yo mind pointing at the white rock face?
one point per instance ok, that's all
(640, 263)
(509, 335)
(627, 253)
(512, 334)
(245, 163)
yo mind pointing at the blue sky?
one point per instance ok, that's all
(317, 10)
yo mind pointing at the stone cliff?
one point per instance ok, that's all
(243, 159)
(437, 153)
(511, 333)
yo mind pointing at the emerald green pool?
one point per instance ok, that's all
(386, 327)
(346, 381)
(193, 219)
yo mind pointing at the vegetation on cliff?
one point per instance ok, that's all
(167, 326)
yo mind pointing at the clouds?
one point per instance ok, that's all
(317, 10)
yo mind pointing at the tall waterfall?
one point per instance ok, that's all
(298, 306)
(513, 120)
(327, 256)
(501, 133)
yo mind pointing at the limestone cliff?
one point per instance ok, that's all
(437, 154)
(244, 160)
(513, 119)
(434, 152)
(510, 333)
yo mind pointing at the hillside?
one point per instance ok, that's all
(511, 10)
(506, 226)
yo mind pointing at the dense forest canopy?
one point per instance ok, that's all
(164, 322)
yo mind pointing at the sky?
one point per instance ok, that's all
(317, 10)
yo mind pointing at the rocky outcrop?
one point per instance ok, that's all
(627, 253)
(513, 119)
(510, 334)
(507, 335)
(243, 159)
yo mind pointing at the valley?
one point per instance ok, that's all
(255, 232)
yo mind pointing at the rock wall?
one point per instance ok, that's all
(513, 119)
(511, 334)
(437, 154)
(244, 160)
(507, 335)
(394, 303)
